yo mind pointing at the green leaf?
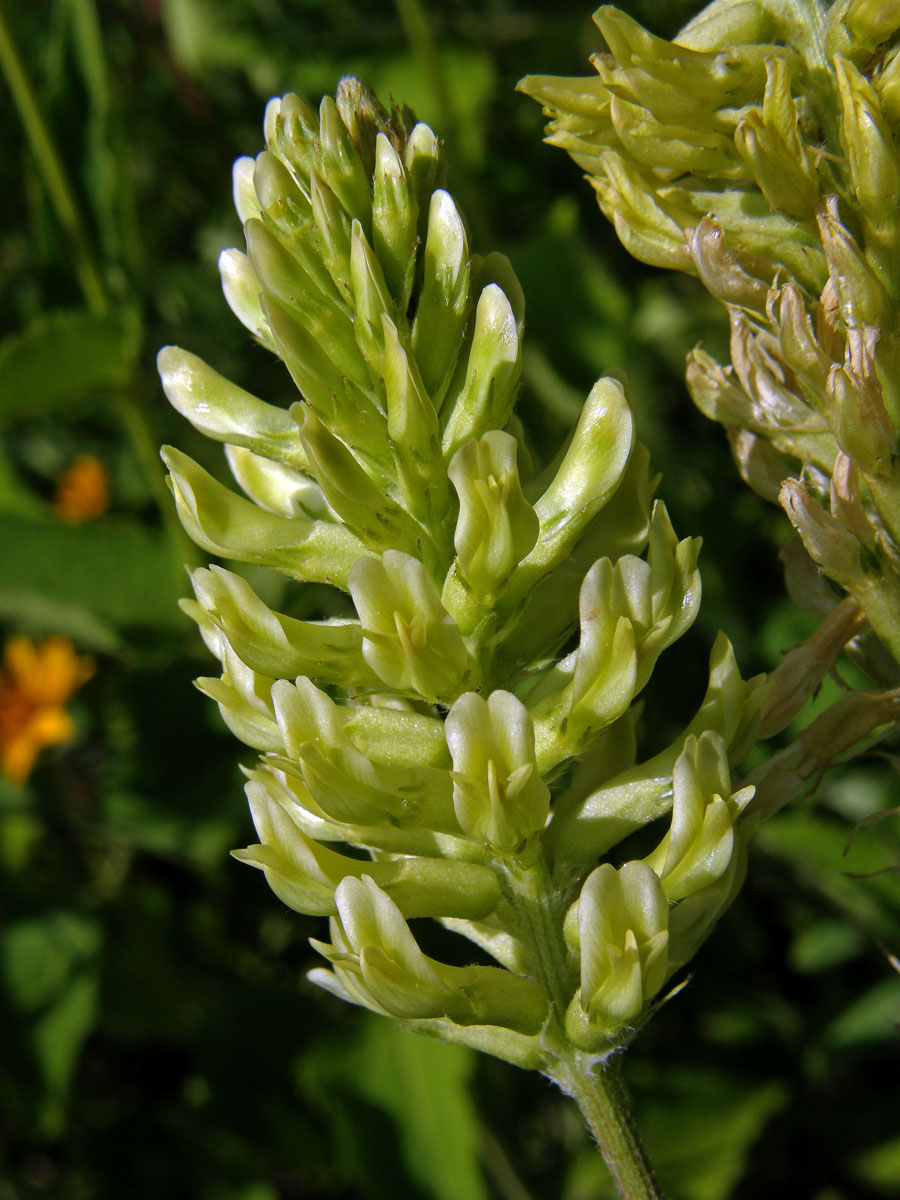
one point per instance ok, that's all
(40, 616)
(106, 161)
(880, 1167)
(874, 1017)
(114, 570)
(48, 970)
(15, 497)
(65, 357)
(424, 1086)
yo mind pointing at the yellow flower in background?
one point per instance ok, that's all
(83, 490)
(35, 683)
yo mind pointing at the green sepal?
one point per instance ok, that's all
(827, 542)
(874, 167)
(291, 129)
(281, 197)
(397, 735)
(324, 333)
(371, 297)
(338, 162)
(784, 180)
(414, 433)
(861, 297)
(332, 233)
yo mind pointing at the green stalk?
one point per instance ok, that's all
(596, 1089)
(90, 279)
(42, 147)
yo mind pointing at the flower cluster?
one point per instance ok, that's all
(471, 731)
(757, 151)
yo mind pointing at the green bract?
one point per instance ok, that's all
(758, 151)
(472, 728)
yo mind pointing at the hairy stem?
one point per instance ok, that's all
(596, 1089)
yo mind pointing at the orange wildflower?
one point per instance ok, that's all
(83, 491)
(35, 683)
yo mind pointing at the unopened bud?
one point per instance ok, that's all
(340, 165)
(860, 295)
(395, 214)
(492, 373)
(371, 297)
(443, 304)
(778, 172)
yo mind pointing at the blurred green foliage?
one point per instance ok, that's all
(158, 1037)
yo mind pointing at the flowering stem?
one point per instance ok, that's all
(596, 1089)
